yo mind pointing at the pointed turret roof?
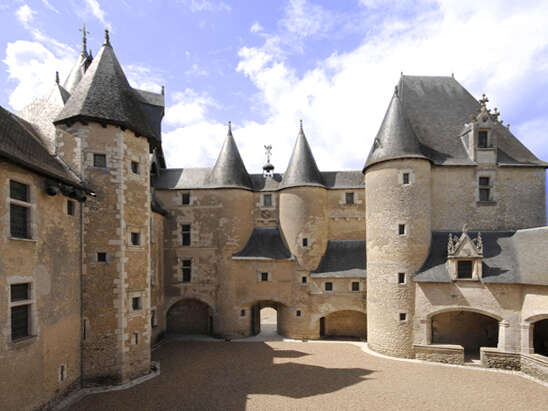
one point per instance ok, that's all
(396, 138)
(229, 170)
(104, 95)
(81, 65)
(302, 169)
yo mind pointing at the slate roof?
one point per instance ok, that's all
(153, 106)
(437, 108)
(342, 259)
(20, 144)
(302, 169)
(265, 243)
(229, 171)
(508, 257)
(77, 72)
(104, 95)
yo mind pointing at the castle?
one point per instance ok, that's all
(435, 250)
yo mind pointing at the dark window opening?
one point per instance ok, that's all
(19, 322)
(187, 270)
(401, 229)
(186, 234)
(482, 139)
(153, 319)
(464, 269)
(484, 181)
(135, 238)
(484, 194)
(242, 313)
(70, 207)
(19, 292)
(19, 221)
(136, 303)
(99, 160)
(62, 373)
(19, 191)
(305, 242)
(405, 178)
(304, 279)
(401, 278)
(267, 200)
(264, 276)
(329, 286)
(349, 198)
(186, 198)
(540, 337)
(136, 338)
(135, 167)
(298, 313)
(403, 316)
(101, 257)
(84, 329)
(355, 286)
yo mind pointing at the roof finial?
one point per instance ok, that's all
(268, 167)
(163, 90)
(229, 127)
(84, 39)
(57, 77)
(496, 113)
(453, 75)
(107, 37)
(301, 124)
(395, 90)
(484, 100)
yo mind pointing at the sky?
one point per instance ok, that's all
(265, 65)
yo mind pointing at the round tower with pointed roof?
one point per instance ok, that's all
(303, 206)
(398, 230)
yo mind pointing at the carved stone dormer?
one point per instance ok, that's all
(465, 256)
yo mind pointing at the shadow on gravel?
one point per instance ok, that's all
(222, 375)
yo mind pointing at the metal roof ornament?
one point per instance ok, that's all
(268, 168)
(229, 128)
(57, 77)
(107, 37)
(84, 39)
(396, 91)
(484, 100)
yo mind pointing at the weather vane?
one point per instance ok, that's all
(268, 167)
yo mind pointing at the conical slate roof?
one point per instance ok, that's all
(104, 95)
(396, 138)
(302, 169)
(77, 72)
(229, 170)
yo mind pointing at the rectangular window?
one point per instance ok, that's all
(136, 303)
(484, 181)
(349, 198)
(70, 207)
(267, 200)
(101, 257)
(62, 372)
(484, 189)
(298, 313)
(484, 194)
(135, 238)
(304, 279)
(482, 139)
(329, 286)
(405, 178)
(464, 269)
(99, 160)
(305, 242)
(19, 322)
(186, 234)
(187, 271)
(19, 221)
(401, 229)
(264, 276)
(186, 198)
(136, 338)
(355, 286)
(403, 316)
(242, 313)
(19, 292)
(135, 167)
(401, 278)
(19, 191)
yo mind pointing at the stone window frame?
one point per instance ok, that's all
(405, 319)
(492, 193)
(400, 273)
(138, 312)
(135, 167)
(92, 154)
(33, 329)
(332, 286)
(351, 284)
(261, 203)
(181, 233)
(303, 241)
(32, 226)
(260, 276)
(182, 268)
(96, 255)
(190, 198)
(342, 198)
(405, 229)
(139, 237)
(477, 268)
(412, 177)
(304, 280)
(299, 313)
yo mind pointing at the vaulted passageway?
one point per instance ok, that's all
(345, 324)
(540, 337)
(190, 317)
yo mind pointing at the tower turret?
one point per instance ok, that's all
(398, 230)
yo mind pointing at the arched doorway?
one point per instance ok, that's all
(265, 317)
(540, 337)
(190, 317)
(469, 329)
(344, 324)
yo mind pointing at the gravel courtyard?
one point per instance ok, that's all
(281, 375)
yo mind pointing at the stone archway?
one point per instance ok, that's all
(258, 317)
(344, 324)
(540, 337)
(190, 317)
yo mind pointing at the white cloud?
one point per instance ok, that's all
(95, 9)
(304, 18)
(205, 5)
(49, 6)
(25, 14)
(189, 108)
(144, 78)
(256, 28)
(197, 71)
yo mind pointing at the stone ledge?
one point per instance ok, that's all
(535, 365)
(493, 358)
(444, 353)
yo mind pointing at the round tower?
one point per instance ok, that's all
(398, 231)
(303, 206)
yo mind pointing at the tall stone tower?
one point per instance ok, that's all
(104, 135)
(398, 231)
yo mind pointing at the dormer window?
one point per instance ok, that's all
(465, 256)
(464, 269)
(482, 139)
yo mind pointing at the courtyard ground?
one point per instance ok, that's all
(281, 375)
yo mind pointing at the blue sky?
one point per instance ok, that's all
(266, 64)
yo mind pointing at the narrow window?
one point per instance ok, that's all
(484, 188)
(19, 191)
(482, 139)
(401, 229)
(242, 313)
(101, 257)
(401, 278)
(19, 213)
(355, 286)
(403, 316)
(135, 238)
(267, 200)
(70, 207)
(135, 167)
(62, 372)
(136, 303)
(187, 271)
(305, 242)
(304, 279)
(464, 269)
(19, 292)
(264, 276)
(20, 314)
(186, 198)
(153, 322)
(84, 329)
(405, 178)
(298, 313)
(99, 160)
(329, 286)
(136, 338)
(186, 234)
(349, 198)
